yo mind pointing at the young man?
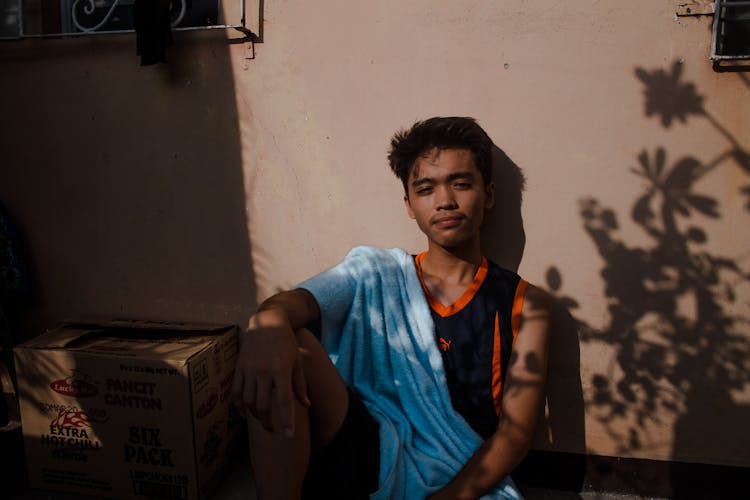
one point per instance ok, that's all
(433, 370)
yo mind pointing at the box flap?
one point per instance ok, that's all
(146, 339)
(145, 324)
(61, 336)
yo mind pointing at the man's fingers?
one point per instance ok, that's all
(262, 411)
(284, 397)
(299, 383)
(267, 379)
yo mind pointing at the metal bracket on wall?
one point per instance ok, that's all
(256, 35)
(253, 30)
(249, 40)
(695, 8)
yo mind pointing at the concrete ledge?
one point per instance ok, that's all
(571, 472)
(542, 476)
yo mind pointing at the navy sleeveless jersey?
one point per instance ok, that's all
(475, 335)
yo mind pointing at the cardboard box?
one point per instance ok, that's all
(128, 408)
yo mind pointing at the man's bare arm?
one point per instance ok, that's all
(269, 367)
(523, 393)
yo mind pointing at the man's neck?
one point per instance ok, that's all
(454, 266)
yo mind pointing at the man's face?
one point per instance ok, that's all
(447, 197)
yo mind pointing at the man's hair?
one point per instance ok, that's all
(443, 133)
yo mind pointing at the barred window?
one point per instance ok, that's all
(42, 18)
(731, 33)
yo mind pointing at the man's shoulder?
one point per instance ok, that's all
(377, 255)
(367, 261)
(370, 250)
(497, 272)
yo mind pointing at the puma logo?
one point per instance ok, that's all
(444, 345)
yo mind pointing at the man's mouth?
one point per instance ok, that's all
(446, 222)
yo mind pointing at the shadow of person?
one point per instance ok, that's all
(503, 237)
(558, 459)
(558, 456)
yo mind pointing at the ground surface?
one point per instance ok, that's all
(239, 486)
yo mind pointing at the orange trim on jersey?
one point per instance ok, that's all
(463, 300)
(515, 315)
(497, 379)
(515, 325)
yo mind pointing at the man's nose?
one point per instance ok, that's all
(445, 199)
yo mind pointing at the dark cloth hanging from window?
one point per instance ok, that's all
(153, 30)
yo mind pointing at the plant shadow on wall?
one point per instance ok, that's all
(677, 329)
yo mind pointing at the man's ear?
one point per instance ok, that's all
(489, 200)
(408, 207)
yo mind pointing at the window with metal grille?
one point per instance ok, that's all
(51, 18)
(731, 32)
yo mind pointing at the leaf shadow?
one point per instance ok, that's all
(681, 352)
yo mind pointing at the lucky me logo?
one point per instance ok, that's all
(78, 385)
(75, 419)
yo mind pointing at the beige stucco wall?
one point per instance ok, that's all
(196, 189)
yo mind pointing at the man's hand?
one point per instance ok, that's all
(440, 494)
(269, 373)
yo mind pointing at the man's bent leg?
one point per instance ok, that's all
(280, 462)
(326, 389)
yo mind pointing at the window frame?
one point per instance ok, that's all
(66, 20)
(722, 59)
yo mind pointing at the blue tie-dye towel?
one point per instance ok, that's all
(377, 328)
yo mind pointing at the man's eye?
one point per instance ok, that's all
(462, 185)
(425, 190)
